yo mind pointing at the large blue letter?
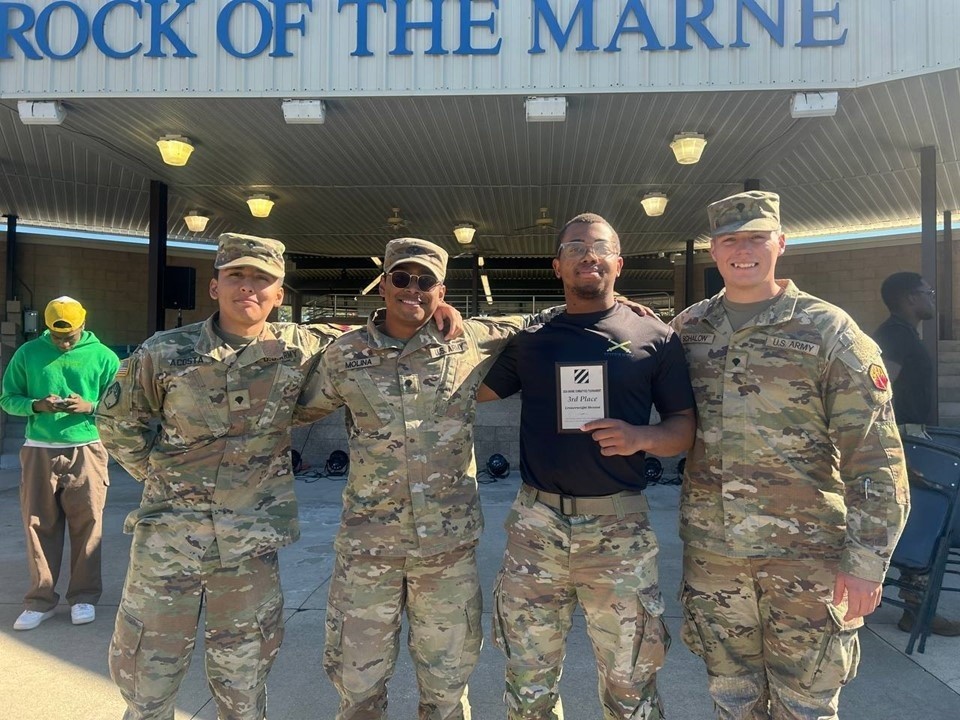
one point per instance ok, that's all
(542, 9)
(643, 26)
(160, 28)
(223, 28)
(807, 15)
(100, 19)
(774, 28)
(16, 33)
(696, 22)
(434, 24)
(42, 33)
(362, 49)
(467, 22)
(282, 25)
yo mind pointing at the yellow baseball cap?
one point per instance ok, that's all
(64, 315)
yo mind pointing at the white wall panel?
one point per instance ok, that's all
(886, 39)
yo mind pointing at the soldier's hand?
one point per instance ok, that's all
(863, 596)
(76, 405)
(49, 404)
(615, 437)
(449, 320)
(638, 309)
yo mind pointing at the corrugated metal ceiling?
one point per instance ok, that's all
(447, 159)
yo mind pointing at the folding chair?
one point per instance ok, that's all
(951, 437)
(934, 474)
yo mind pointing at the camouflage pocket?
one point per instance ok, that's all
(473, 639)
(648, 646)
(690, 627)
(270, 621)
(354, 663)
(838, 655)
(124, 651)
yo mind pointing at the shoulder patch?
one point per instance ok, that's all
(879, 377)
(112, 396)
(124, 368)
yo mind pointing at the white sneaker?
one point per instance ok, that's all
(29, 619)
(82, 613)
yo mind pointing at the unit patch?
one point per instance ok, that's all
(879, 377)
(112, 396)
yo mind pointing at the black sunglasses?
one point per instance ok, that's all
(401, 279)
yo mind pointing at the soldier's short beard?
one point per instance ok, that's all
(589, 293)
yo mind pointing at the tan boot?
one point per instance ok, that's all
(938, 626)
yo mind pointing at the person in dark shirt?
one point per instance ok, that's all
(578, 531)
(911, 300)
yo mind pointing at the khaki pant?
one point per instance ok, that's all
(63, 489)
(607, 565)
(774, 645)
(368, 596)
(157, 622)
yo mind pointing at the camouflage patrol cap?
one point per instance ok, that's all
(745, 212)
(414, 250)
(262, 253)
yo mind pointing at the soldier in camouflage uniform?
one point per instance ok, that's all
(218, 497)
(795, 492)
(411, 512)
(579, 532)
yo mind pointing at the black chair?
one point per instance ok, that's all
(933, 470)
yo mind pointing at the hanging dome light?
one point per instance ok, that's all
(260, 205)
(196, 222)
(654, 203)
(175, 149)
(688, 147)
(464, 233)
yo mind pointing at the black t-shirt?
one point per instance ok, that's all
(912, 390)
(645, 366)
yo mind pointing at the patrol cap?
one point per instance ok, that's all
(414, 250)
(745, 212)
(262, 253)
(64, 315)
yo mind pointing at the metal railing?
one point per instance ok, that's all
(354, 306)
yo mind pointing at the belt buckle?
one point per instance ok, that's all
(568, 505)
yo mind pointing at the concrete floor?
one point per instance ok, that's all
(59, 672)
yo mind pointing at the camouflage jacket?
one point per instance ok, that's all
(797, 454)
(411, 404)
(218, 465)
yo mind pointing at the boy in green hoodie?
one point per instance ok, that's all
(55, 381)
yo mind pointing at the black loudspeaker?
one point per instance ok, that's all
(712, 281)
(180, 288)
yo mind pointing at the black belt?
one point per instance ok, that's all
(619, 504)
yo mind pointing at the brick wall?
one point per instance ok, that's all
(110, 284)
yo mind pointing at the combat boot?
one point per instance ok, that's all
(938, 626)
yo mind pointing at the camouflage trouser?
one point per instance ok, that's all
(442, 599)
(609, 566)
(157, 622)
(774, 645)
